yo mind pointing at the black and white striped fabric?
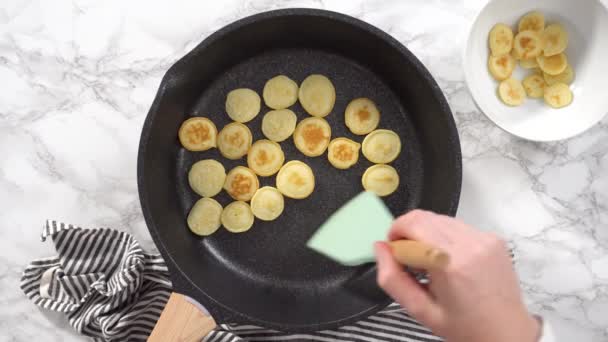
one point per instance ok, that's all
(111, 290)
(108, 287)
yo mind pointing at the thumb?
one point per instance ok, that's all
(404, 289)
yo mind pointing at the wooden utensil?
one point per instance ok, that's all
(349, 234)
(419, 255)
(182, 320)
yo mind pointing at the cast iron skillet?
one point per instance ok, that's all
(266, 276)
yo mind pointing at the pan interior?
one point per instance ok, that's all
(274, 252)
(266, 276)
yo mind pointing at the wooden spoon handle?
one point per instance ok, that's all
(419, 255)
(181, 321)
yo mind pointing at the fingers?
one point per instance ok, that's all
(419, 225)
(438, 230)
(405, 290)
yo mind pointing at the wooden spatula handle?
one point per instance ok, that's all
(419, 255)
(181, 321)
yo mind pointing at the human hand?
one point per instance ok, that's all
(475, 298)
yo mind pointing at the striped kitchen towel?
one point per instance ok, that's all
(111, 290)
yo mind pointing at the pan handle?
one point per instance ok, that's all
(181, 321)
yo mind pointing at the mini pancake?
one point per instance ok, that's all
(381, 146)
(278, 125)
(361, 116)
(204, 217)
(511, 92)
(343, 153)
(528, 44)
(565, 77)
(241, 183)
(553, 65)
(243, 104)
(198, 134)
(312, 136)
(296, 180)
(234, 140)
(500, 39)
(534, 85)
(237, 217)
(558, 95)
(534, 21)
(317, 95)
(267, 203)
(380, 179)
(280, 92)
(501, 67)
(207, 177)
(555, 39)
(265, 157)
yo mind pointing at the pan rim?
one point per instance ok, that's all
(173, 265)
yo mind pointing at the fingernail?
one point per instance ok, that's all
(377, 246)
(378, 251)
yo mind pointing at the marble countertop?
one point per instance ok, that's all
(78, 78)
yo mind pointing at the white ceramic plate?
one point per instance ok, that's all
(587, 24)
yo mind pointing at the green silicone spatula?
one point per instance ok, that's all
(349, 234)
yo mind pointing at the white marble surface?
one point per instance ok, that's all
(78, 78)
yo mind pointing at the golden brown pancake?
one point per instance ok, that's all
(312, 135)
(241, 183)
(198, 134)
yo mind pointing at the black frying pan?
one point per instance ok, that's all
(267, 276)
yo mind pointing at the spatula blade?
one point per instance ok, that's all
(348, 235)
